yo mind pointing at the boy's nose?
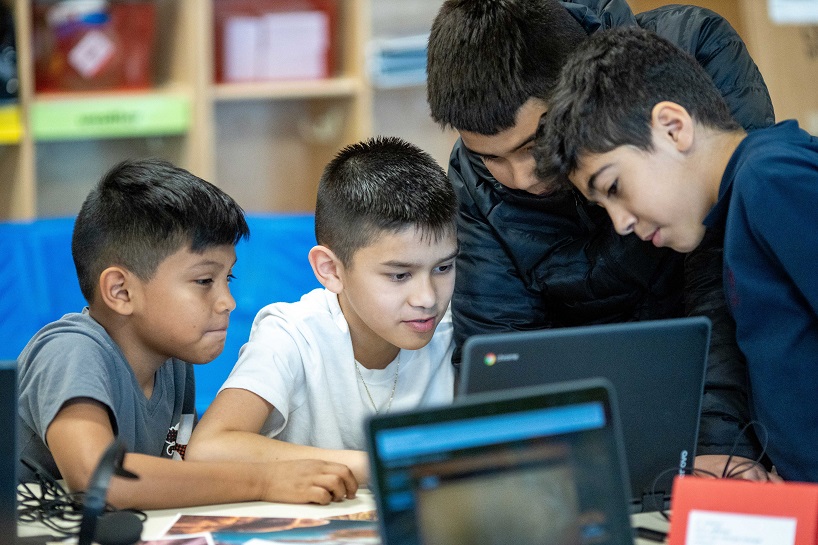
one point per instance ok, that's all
(226, 302)
(424, 294)
(522, 175)
(623, 221)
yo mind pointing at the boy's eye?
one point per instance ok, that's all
(399, 277)
(614, 189)
(204, 281)
(442, 269)
(231, 277)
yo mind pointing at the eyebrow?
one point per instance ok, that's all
(211, 263)
(592, 179)
(404, 265)
(512, 150)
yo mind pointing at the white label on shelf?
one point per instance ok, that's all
(91, 53)
(718, 528)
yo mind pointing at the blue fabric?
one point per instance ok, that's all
(38, 283)
(768, 197)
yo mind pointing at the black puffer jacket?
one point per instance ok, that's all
(529, 262)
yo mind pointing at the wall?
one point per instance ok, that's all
(786, 55)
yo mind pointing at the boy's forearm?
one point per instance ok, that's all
(165, 483)
(253, 447)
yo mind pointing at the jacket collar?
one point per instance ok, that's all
(594, 15)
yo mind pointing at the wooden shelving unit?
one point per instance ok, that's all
(265, 143)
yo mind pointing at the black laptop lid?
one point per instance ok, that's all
(8, 451)
(529, 466)
(656, 367)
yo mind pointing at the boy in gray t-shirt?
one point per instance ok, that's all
(154, 247)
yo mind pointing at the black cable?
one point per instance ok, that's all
(45, 501)
(733, 473)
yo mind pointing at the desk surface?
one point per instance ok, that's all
(160, 520)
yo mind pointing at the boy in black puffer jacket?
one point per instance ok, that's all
(532, 256)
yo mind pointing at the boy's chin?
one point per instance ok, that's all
(687, 246)
(202, 357)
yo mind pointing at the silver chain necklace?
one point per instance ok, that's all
(369, 395)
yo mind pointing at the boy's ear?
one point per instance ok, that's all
(673, 121)
(327, 268)
(115, 286)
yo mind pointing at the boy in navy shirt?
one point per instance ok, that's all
(638, 127)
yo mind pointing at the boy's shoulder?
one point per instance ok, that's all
(774, 154)
(316, 310)
(78, 330)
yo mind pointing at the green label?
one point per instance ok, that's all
(74, 119)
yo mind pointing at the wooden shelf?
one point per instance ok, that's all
(328, 88)
(258, 140)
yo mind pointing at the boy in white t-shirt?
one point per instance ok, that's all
(376, 339)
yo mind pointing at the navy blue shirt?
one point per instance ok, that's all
(768, 203)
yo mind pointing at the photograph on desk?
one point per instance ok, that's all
(226, 530)
(193, 539)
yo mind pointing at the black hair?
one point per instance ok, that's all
(142, 211)
(606, 94)
(383, 184)
(486, 58)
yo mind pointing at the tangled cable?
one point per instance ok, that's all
(45, 501)
(727, 473)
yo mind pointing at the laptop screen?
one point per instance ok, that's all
(533, 466)
(657, 368)
(8, 450)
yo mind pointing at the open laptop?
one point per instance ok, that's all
(8, 451)
(529, 466)
(657, 368)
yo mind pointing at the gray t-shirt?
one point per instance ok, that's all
(75, 357)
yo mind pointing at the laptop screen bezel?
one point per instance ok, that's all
(8, 449)
(675, 441)
(498, 403)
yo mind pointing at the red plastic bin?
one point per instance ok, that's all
(109, 49)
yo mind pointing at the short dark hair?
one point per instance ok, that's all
(486, 58)
(606, 94)
(142, 211)
(383, 184)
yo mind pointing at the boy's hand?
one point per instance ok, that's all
(740, 468)
(309, 481)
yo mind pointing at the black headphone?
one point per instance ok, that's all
(115, 528)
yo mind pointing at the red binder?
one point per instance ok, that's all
(716, 511)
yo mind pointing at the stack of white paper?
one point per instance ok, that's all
(287, 45)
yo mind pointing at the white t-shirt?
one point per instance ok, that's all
(299, 359)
